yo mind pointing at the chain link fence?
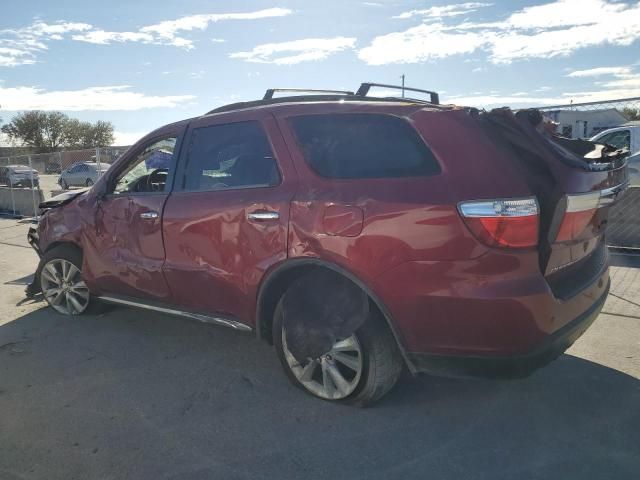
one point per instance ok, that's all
(27, 180)
(586, 120)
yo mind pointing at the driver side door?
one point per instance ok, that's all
(125, 253)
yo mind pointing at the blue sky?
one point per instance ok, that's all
(141, 64)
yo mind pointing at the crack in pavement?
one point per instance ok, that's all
(626, 300)
(14, 245)
(620, 315)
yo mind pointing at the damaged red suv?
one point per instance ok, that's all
(471, 243)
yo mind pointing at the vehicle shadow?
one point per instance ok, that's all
(131, 394)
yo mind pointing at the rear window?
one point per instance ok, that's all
(363, 146)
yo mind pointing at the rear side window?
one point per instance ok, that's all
(363, 146)
(230, 156)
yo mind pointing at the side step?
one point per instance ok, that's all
(180, 313)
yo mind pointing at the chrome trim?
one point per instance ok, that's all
(181, 313)
(149, 215)
(599, 198)
(487, 208)
(261, 216)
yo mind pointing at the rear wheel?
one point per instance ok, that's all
(61, 281)
(64, 185)
(357, 370)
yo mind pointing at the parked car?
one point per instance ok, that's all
(627, 136)
(477, 245)
(82, 174)
(19, 176)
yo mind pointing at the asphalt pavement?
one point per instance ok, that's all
(138, 395)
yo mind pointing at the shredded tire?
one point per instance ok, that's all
(382, 360)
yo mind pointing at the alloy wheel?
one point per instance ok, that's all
(334, 375)
(63, 287)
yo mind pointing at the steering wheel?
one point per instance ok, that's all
(157, 179)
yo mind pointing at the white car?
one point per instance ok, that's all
(19, 176)
(626, 136)
(82, 174)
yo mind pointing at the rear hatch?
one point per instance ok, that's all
(575, 183)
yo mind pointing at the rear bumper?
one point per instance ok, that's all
(514, 366)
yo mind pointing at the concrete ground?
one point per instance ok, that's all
(138, 395)
(49, 184)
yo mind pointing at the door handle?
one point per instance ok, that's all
(262, 215)
(149, 215)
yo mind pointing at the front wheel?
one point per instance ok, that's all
(61, 281)
(357, 370)
(89, 182)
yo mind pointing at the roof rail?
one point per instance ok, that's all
(365, 87)
(269, 93)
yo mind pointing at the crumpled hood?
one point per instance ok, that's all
(62, 199)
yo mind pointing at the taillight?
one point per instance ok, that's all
(581, 208)
(508, 223)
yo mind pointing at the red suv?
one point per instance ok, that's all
(475, 238)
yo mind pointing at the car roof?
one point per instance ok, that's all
(302, 103)
(309, 101)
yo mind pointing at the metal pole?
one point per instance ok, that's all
(98, 161)
(402, 76)
(13, 200)
(33, 192)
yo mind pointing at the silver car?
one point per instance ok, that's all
(82, 174)
(19, 176)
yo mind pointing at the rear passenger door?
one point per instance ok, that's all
(226, 222)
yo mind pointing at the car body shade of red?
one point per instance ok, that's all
(477, 241)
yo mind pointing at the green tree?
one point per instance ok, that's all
(631, 113)
(51, 131)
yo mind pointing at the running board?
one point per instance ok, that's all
(180, 313)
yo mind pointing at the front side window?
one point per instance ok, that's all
(620, 139)
(363, 146)
(148, 171)
(231, 156)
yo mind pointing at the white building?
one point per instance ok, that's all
(585, 124)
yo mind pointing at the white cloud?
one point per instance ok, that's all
(622, 77)
(20, 46)
(296, 51)
(599, 71)
(513, 100)
(563, 13)
(622, 82)
(554, 29)
(93, 98)
(104, 38)
(444, 11)
(127, 138)
(417, 44)
(10, 57)
(167, 32)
